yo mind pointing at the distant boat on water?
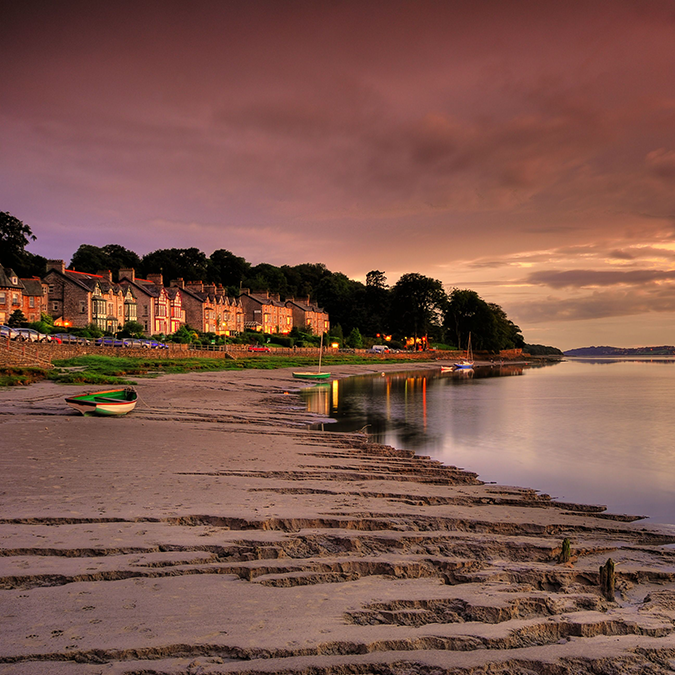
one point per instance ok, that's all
(467, 362)
(112, 402)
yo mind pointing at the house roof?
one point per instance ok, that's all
(306, 306)
(6, 275)
(263, 299)
(33, 286)
(87, 281)
(204, 296)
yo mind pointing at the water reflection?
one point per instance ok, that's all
(580, 431)
(391, 402)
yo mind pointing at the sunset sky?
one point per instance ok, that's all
(522, 149)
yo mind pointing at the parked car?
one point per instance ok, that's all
(70, 338)
(30, 335)
(8, 332)
(258, 348)
(54, 338)
(111, 342)
(137, 343)
(154, 344)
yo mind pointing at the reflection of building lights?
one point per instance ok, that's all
(334, 386)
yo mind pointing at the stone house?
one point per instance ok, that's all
(160, 310)
(208, 308)
(264, 312)
(11, 293)
(308, 315)
(78, 299)
(34, 298)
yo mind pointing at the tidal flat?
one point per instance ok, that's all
(210, 531)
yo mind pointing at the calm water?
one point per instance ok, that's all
(600, 432)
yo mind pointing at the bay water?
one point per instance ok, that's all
(589, 431)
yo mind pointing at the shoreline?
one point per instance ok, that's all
(211, 532)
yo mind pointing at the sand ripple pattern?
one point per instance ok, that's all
(207, 543)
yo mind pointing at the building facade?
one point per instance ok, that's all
(208, 308)
(308, 316)
(77, 299)
(264, 312)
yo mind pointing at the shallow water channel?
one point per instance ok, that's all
(590, 431)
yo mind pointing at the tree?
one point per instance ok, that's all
(113, 257)
(417, 304)
(467, 313)
(227, 269)
(355, 339)
(89, 258)
(17, 319)
(173, 263)
(377, 304)
(490, 328)
(376, 279)
(14, 237)
(132, 329)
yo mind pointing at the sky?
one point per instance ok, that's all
(524, 149)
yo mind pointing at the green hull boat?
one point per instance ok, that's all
(312, 376)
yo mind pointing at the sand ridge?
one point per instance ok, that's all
(212, 532)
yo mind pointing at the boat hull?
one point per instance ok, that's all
(312, 376)
(114, 402)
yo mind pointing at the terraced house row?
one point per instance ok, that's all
(77, 299)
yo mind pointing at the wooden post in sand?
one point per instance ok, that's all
(566, 552)
(607, 579)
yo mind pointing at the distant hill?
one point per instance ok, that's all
(541, 350)
(665, 350)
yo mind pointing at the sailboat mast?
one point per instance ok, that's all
(320, 351)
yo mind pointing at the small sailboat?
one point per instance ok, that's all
(112, 402)
(467, 362)
(310, 375)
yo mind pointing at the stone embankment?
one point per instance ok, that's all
(43, 354)
(211, 532)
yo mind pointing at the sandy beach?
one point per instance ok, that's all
(211, 532)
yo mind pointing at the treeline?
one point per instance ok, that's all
(415, 306)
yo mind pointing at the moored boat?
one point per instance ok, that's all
(312, 376)
(111, 402)
(467, 362)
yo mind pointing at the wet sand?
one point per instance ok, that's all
(211, 532)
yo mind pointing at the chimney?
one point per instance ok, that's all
(307, 300)
(106, 274)
(58, 265)
(178, 283)
(127, 274)
(244, 291)
(195, 286)
(156, 279)
(210, 288)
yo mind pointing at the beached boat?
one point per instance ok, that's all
(467, 362)
(312, 375)
(112, 402)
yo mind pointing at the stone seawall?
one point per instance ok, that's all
(42, 354)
